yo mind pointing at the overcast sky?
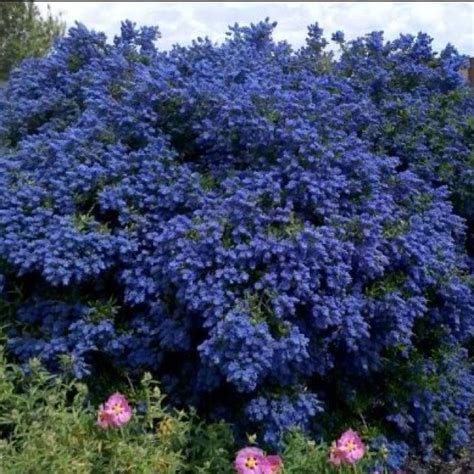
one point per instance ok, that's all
(180, 22)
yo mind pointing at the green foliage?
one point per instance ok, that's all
(395, 228)
(286, 230)
(24, 32)
(391, 282)
(303, 456)
(47, 425)
(259, 305)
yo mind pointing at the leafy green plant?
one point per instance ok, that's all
(24, 32)
(48, 424)
(304, 456)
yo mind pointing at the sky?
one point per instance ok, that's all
(180, 22)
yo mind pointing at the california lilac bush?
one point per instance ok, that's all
(270, 231)
(418, 112)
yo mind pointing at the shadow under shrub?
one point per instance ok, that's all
(249, 223)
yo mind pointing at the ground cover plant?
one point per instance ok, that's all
(51, 424)
(281, 237)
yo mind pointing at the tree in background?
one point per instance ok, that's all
(24, 32)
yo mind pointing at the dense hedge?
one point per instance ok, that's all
(271, 232)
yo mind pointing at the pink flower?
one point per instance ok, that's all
(105, 418)
(272, 464)
(254, 461)
(348, 449)
(250, 461)
(336, 454)
(114, 412)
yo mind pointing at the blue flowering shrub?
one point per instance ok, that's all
(279, 236)
(418, 112)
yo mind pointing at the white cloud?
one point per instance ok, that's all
(180, 22)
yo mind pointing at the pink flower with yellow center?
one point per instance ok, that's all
(348, 449)
(114, 412)
(254, 461)
(249, 461)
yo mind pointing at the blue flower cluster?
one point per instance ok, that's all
(282, 413)
(418, 113)
(282, 225)
(441, 392)
(392, 454)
